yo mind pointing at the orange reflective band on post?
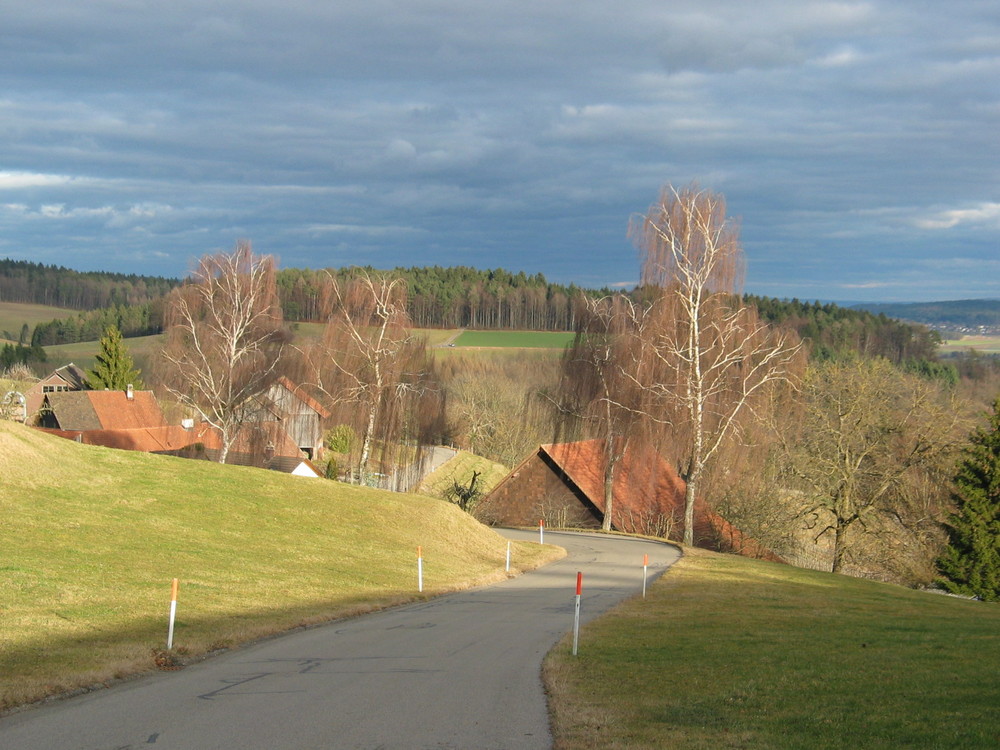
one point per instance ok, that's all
(645, 560)
(420, 552)
(579, 583)
(173, 590)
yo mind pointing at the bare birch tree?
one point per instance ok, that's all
(369, 356)
(708, 356)
(224, 339)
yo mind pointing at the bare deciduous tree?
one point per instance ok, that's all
(708, 356)
(224, 339)
(369, 356)
(494, 403)
(599, 383)
(869, 446)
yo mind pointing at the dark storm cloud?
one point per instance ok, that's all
(855, 140)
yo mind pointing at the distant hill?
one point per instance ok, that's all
(965, 316)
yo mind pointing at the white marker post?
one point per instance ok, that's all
(576, 615)
(508, 557)
(645, 565)
(173, 614)
(420, 569)
(541, 531)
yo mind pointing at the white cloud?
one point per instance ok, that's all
(22, 180)
(840, 58)
(358, 229)
(987, 213)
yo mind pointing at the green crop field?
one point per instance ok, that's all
(515, 339)
(91, 538)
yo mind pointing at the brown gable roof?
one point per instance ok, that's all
(72, 410)
(644, 483)
(647, 494)
(71, 375)
(299, 392)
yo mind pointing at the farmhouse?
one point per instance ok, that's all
(563, 485)
(300, 415)
(79, 410)
(66, 378)
(133, 420)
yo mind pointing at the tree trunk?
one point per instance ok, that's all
(609, 486)
(839, 547)
(689, 495)
(366, 444)
(224, 448)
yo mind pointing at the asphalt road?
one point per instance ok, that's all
(460, 671)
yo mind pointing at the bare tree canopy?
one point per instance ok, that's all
(224, 339)
(705, 356)
(687, 241)
(871, 452)
(370, 357)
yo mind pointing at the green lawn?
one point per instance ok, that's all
(727, 652)
(92, 537)
(515, 339)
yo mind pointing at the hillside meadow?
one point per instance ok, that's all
(92, 537)
(14, 315)
(727, 652)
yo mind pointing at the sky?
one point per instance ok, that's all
(856, 143)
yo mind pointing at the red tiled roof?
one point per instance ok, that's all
(119, 412)
(645, 483)
(153, 439)
(105, 410)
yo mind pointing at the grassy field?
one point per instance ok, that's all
(515, 339)
(981, 344)
(544, 343)
(727, 652)
(84, 353)
(91, 538)
(13, 315)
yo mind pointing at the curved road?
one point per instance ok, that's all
(458, 671)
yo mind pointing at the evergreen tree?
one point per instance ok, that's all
(971, 562)
(114, 369)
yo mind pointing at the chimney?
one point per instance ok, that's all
(129, 392)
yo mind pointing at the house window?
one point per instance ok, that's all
(54, 388)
